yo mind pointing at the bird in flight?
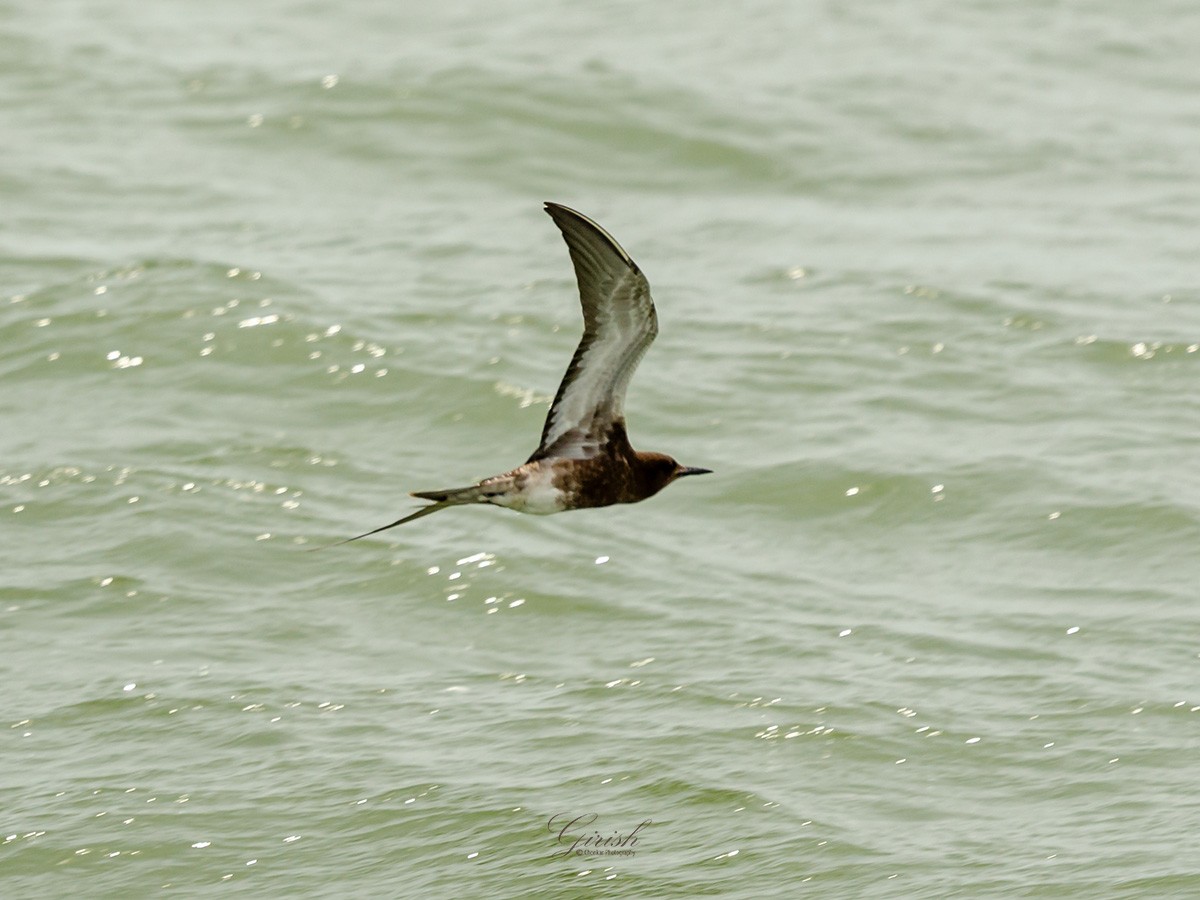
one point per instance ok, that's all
(584, 458)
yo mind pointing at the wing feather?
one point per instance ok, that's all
(619, 324)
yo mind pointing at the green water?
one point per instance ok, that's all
(926, 279)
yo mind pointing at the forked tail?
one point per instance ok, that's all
(452, 496)
(442, 500)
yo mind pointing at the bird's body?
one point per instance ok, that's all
(584, 458)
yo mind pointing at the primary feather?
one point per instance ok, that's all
(619, 323)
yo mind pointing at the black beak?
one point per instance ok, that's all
(691, 470)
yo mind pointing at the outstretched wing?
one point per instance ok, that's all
(619, 323)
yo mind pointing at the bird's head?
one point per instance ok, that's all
(660, 470)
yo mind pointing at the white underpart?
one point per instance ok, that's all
(539, 496)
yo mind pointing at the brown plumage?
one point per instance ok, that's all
(584, 458)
